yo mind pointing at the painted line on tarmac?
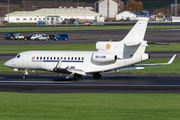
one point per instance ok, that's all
(41, 83)
(35, 82)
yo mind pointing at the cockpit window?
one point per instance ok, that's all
(18, 56)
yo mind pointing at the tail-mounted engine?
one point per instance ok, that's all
(145, 57)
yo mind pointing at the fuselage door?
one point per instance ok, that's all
(25, 60)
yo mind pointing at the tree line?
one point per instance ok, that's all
(133, 6)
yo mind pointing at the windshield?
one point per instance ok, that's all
(18, 56)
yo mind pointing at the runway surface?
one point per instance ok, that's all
(107, 84)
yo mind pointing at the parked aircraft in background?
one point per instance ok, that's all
(109, 57)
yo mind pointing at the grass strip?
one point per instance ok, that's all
(76, 47)
(165, 69)
(64, 47)
(30, 29)
(89, 106)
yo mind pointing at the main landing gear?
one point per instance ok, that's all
(96, 76)
(77, 76)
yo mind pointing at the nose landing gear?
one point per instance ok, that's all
(25, 73)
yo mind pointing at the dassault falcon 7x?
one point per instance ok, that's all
(109, 57)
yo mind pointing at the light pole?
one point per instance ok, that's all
(175, 7)
(8, 11)
(77, 3)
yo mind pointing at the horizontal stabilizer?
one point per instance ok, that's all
(155, 64)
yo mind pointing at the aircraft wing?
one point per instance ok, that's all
(155, 64)
(73, 70)
(69, 69)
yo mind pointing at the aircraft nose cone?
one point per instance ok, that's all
(8, 63)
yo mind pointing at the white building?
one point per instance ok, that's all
(126, 15)
(175, 19)
(51, 15)
(109, 8)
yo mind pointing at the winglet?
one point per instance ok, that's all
(171, 60)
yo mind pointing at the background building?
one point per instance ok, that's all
(126, 15)
(4, 8)
(34, 5)
(109, 8)
(52, 15)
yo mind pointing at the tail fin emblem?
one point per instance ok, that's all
(108, 46)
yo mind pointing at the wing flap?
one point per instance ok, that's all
(73, 70)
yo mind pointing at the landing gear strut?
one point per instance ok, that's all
(25, 73)
(77, 76)
(96, 76)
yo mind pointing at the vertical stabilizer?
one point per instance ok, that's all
(136, 34)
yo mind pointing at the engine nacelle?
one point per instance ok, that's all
(103, 57)
(145, 57)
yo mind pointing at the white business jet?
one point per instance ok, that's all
(109, 57)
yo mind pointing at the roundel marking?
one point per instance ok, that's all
(108, 46)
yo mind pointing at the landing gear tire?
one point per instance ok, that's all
(77, 77)
(96, 76)
(24, 77)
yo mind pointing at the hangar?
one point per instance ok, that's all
(52, 15)
(126, 15)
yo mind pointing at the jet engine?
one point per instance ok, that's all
(145, 57)
(103, 57)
